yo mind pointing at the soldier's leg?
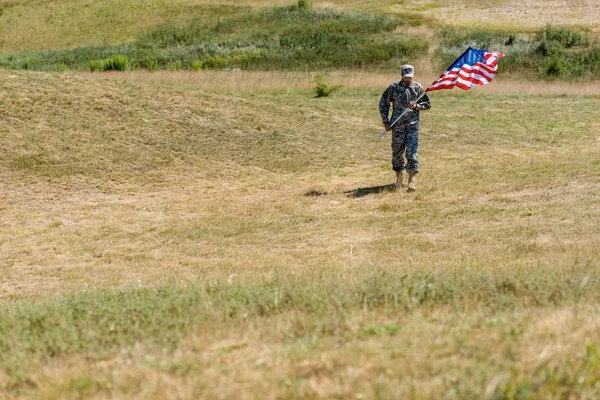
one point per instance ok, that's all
(398, 147)
(412, 144)
(412, 156)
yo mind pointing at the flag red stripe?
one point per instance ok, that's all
(471, 78)
(475, 74)
(465, 73)
(467, 76)
(462, 81)
(476, 67)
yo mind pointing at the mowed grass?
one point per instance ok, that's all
(242, 241)
(39, 25)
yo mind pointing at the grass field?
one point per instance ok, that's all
(242, 241)
(284, 36)
(225, 234)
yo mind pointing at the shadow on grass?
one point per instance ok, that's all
(362, 192)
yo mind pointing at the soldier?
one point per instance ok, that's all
(405, 133)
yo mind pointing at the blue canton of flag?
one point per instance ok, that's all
(473, 68)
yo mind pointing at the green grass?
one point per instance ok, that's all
(315, 307)
(551, 53)
(41, 26)
(181, 36)
(292, 38)
(288, 38)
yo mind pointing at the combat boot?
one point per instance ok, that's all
(399, 181)
(411, 181)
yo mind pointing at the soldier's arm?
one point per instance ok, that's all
(424, 103)
(384, 105)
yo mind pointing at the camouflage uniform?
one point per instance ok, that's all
(405, 133)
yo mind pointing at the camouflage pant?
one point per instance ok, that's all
(405, 140)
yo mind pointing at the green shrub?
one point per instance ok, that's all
(176, 66)
(214, 62)
(116, 63)
(512, 38)
(454, 37)
(557, 67)
(195, 65)
(549, 49)
(574, 65)
(565, 37)
(322, 89)
(61, 67)
(305, 4)
(148, 63)
(550, 53)
(96, 65)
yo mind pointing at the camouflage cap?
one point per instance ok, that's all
(408, 71)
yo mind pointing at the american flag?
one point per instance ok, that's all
(473, 68)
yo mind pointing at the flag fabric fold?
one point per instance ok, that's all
(473, 68)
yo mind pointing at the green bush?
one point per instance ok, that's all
(61, 67)
(550, 53)
(557, 67)
(305, 4)
(148, 63)
(454, 37)
(565, 37)
(116, 63)
(195, 65)
(214, 62)
(96, 65)
(176, 66)
(549, 49)
(584, 64)
(322, 89)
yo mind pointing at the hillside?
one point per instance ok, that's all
(197, 35)
(36, 25)
(161, 240)
(516, 15)
(181, 217)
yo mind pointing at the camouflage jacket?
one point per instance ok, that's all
(399, 94)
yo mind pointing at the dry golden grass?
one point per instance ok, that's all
(509, 14)
(256, 81)
(224, 234)
(278, 204)
(62, 25)
(98, 173)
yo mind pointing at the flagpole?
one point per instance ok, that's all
(422, 94)
(402, 115)
(481, 69)
(406, 110)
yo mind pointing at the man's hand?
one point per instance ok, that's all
(412, 105)
(388, 127)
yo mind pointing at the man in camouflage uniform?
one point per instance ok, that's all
(405, 133)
